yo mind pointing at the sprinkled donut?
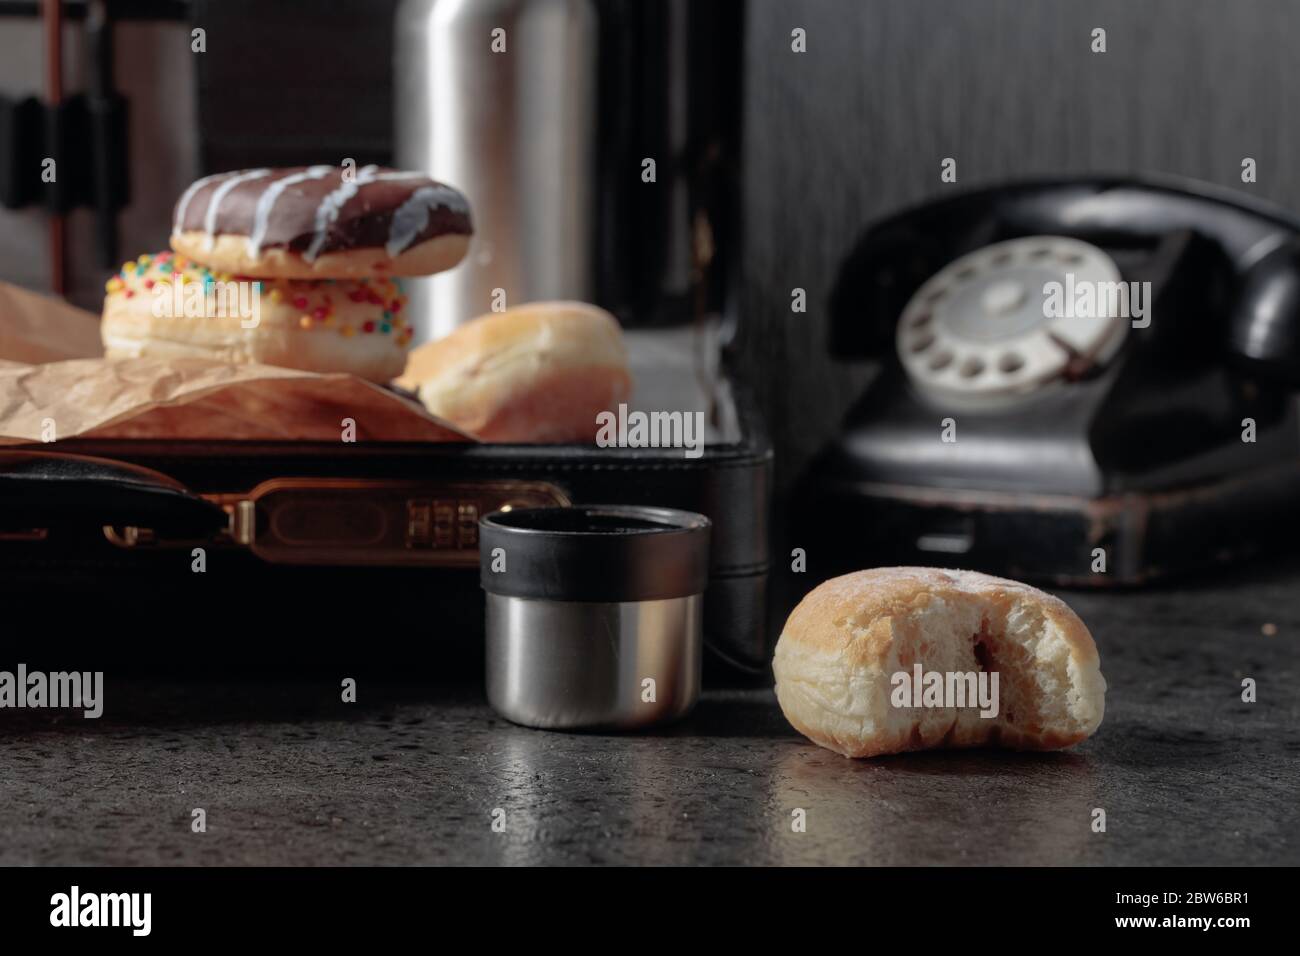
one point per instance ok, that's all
(168, 306)
(315, 222)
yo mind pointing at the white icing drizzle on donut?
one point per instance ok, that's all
(266, 204)
(413, 215)
(214, 204)
(184, 204)
(330, 207)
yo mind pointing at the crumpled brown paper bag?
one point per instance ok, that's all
(55, 384)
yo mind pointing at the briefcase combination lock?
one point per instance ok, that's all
(374, 522)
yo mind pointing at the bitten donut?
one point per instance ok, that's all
(166, 306)
(535, 373)
(314, 222)
(839, 660)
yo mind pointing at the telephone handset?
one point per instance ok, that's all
(955, 288)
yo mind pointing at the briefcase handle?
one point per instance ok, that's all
(43, 490)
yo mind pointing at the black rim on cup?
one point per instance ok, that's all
(594, 553)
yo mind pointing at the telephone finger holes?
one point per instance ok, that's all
(1010, 363)
(974, 331)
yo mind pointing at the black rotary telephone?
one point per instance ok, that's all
(1088, 381)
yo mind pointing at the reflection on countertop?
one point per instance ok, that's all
(288, 774)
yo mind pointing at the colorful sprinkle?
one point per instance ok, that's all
(312, 301)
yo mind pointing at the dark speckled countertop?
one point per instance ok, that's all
(287, 774)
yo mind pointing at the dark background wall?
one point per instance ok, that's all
(857, 126)
(836, 137)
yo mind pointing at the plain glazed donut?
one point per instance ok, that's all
(313, 222)
(322, 326)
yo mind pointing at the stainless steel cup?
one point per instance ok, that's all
(594, 614)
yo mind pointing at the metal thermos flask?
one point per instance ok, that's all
(498, 98)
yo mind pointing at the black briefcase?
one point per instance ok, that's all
(249, 555)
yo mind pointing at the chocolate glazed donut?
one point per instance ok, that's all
(312, 222)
